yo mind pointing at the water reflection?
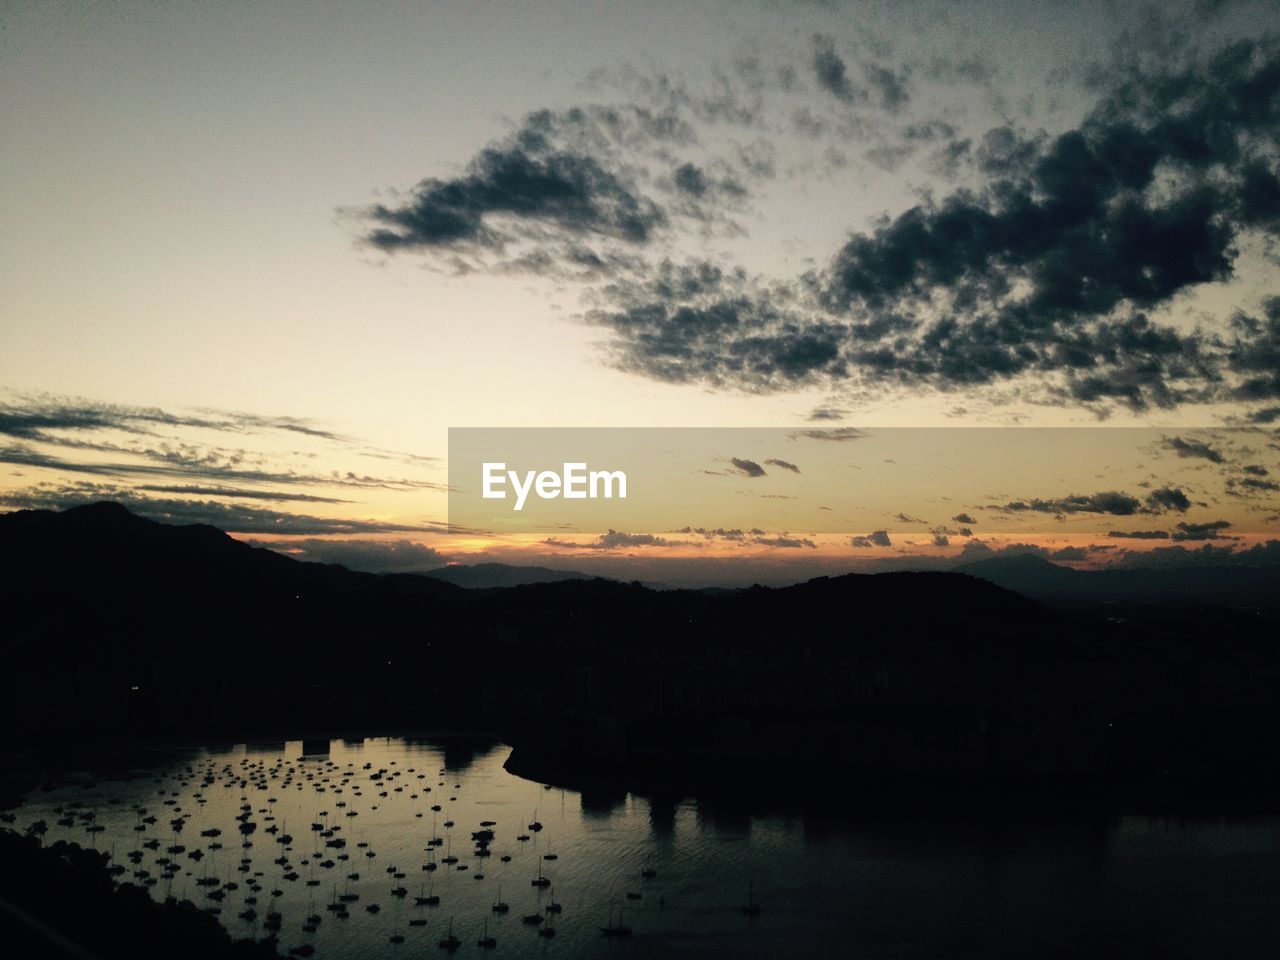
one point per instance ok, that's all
(376, 848)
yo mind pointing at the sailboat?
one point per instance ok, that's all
(498, 905)
(487, 942)
(541, 881)
(618, 929)
(450, 943)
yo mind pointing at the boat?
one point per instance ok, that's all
(450, 942)
(498, 905)
(615, 929)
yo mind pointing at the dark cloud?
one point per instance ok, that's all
(1052, 264)
(1071, 555)
(1247, 486)
(941, 540)
(698, 323)
(1033, 268)
(1255, 352)
(230, 517)
(889, 87)
(878, 538)
(1255, 470)
(1206, 555)
(1139, 534)
(833, 434)
(979, 550)
(33, 417)
(905, 518)
(748, 468)
(1193, 449)
(615, 540)
(884, 87)
(964, 518)
(827, 413)
(720, 533)
(1201, 531)
(1264, 415)
(1112, 502)
(532, 177)
(1167, 498)
(239, 493)
(783, 464)
(186, 461)
(785, 542)
(829, 67)
(1004, 152)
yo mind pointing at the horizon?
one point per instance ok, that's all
(287, 272)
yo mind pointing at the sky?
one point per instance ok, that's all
(257, 259)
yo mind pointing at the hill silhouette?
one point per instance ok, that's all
(124, 629)
(481, 576)
(1204, 583)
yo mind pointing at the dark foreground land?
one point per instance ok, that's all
(60, 901)
(130, 632)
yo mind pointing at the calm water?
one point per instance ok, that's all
(1130, 886)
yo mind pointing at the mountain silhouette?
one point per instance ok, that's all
(480, 576)
(1187, 583)
(122, 628)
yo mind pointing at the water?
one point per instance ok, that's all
(949, 887)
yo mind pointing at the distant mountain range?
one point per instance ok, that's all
(481, 576)
(122, 630)
(1040, 579)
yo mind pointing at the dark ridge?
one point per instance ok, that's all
(110, 923)
(124, 630)
(480, 576)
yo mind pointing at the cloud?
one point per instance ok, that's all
(1028, 273)
(979, 550)
(964, 518)
(1250, 485)
(530, 178)
(229, 517)
(830, 70)
(1201, 531)
(370, 556)
(748, 468)
(783, 464)
(890, 86)
(827, 413)
(720, 533)
(1193, 449)
(833, 434)
(878, 538)
(1109, 502)
(941, 540)
(698, 323)
(1255, 351)
(239, 493)
(785, 541)
(1054, 261)
(615, 540)
(33, 417)
(906, 518)
(187, 461)
(1167, 498)
(1139, 534)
